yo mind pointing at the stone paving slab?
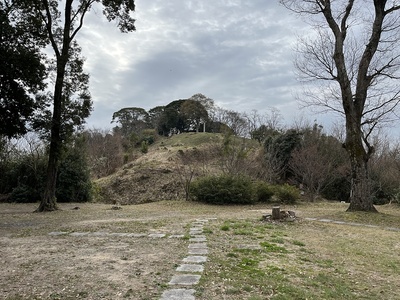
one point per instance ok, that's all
(195, 259)
(176, 236)
(392, 228)
(79, 233)
(116, 234)
(157, 235)
(371, 226)
(120, 234)
(352, 224)
(198, 239)
(198, 246)
(196, 228)
(190, 268)
(138, 235)
(58, 233)
(198, 251)
(178, 294)
(202, 221)
(339, 222)
(99, 233)
(325, 220)
(187, 279)
(195, 233)
(200, 236)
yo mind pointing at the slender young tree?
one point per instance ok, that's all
(62, 21)
(354, 54)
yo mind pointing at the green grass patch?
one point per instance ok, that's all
(302, 260)
(298, 243)
(207, 231)
(278, 240)
(225, 228)
(270, 247)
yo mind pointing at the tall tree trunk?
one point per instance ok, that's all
(49, 201)
(360, 193)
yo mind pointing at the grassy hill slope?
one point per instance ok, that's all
(153, 176)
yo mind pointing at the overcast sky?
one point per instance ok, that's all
(237, 52)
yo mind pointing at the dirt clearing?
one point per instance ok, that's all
(95, 252)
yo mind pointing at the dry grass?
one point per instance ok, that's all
(249, 259)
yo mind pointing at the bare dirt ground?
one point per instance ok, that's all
(36, 265)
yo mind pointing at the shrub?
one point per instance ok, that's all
(24, 194)
(287, 194)
(26, 179)
(264, 191)
(338, 189)
(73, 181)
(149, 136)
(224, 189)
(144, 148)
(24, 176)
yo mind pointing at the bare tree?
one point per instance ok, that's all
(234, 120)
(270, 119)
(310, 168)
(355, 57)
(191, 164)
(273, 165)
(319, 160)
(105, 152)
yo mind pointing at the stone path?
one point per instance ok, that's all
(116, 234)
(188, 273)
(352, 224)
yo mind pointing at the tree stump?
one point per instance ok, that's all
(276, 213)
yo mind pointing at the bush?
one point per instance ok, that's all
(264, 191)
(144, 148)
(381, 197)
(73, 181)
(24, 194)
(287, 194)
(25, 176)
(224, 189)
(26, 179)
(149, 136)
(338, 189)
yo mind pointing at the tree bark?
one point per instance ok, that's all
(360, 193)
(276, 213)
(49, 201)
(356, 74)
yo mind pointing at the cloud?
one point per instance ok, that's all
(237, 52)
